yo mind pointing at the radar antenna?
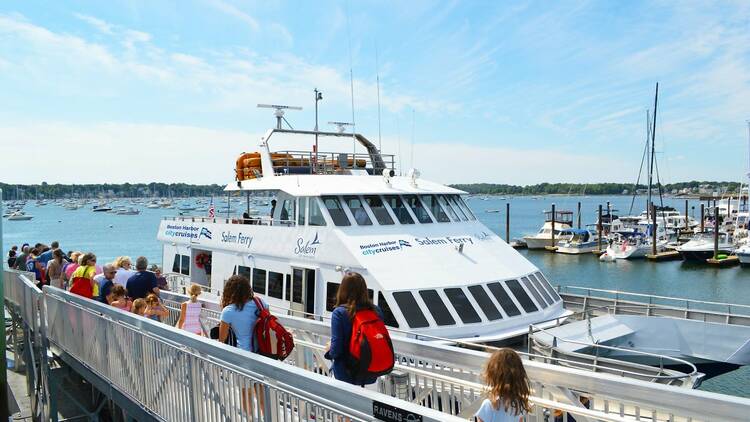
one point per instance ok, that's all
(341, 126)
(279, 113)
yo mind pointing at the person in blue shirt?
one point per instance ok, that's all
(239, 312)
(46, 256)
(142, 283)
(351, 297)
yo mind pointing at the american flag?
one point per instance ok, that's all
(211, 209)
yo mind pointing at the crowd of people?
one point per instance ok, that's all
(137, 290)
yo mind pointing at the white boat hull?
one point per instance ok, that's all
(577, 249)
(533, 242)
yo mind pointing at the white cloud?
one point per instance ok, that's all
(234, 11)
(97, 23)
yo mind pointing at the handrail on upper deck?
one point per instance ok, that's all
(618, 293)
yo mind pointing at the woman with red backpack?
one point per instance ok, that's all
(360, 346)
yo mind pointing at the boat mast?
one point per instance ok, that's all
(653, 150)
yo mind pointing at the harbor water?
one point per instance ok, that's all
(109, 235)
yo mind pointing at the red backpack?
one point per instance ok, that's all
(370, 348)
(274, 341)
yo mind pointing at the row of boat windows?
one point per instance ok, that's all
(388, 318)
(386, 210)
(273, 284)
(181, 264)
(510, 296)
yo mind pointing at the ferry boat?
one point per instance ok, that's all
(436, 272)
(431, 266)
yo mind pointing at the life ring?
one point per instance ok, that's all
(202, 260)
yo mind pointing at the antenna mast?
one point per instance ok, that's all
(653, 148)
(377, 82)
(279, 113)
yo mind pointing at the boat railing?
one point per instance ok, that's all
(326, 162)
(253, 220)
(654, 304)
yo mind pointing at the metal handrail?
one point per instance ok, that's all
(618, 293)
(534, 329)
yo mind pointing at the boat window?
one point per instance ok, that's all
(287, 211)
(275, 284)
(466, 208)
(538, 285)
(379, 210)
(419, 210)
(452, 201)
(297, 290)
(259, 281)
(388, 317)
(527, 283)
(411, 310)
(399, 209)
(462, 305)
(287, 287)
(447, 206)
(302, 210)
(332, 289)
(316, 215)
(185, 265)
(485, 303)
(551, 290)
(336, 211)
(503, 298)
(176, 264)
(523, 298)
(243, 271)
(437, 307)
(358, 210)
(437, 211)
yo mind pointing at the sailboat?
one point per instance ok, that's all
(633, 236)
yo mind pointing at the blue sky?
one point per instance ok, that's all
(489, 91)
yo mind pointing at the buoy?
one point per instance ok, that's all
(721, 256)
(110, 226)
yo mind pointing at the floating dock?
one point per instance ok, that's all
(729, 261)
(664, 256)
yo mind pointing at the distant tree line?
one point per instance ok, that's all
(693, 187)
(108, 190)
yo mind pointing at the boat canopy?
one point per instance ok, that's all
(317, 185)
(579, 232)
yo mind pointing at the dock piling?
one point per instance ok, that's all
(579, 215)
(716, 232)
(703, 221)
(553, 227)
(653, 229)
(686, 215)
(507, 222)
(599, 229)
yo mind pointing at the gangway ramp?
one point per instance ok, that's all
(154, 371)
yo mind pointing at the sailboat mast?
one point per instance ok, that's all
(653, 143)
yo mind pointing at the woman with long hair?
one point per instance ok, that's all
(507, 388)
(190, 312)
(240, 313)
(55, 269)
(351, 297)
(82, 278)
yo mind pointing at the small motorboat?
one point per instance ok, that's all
(580, 241)
(19, 216)
(128, 211)
(743, 253)
(102, 208)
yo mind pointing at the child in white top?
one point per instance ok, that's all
(190, 311)
(507, 388)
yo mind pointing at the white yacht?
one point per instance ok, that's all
(701, 246)
(632, 245)
(19, 216)
(431, 266)
(743, 253)
(543, 238)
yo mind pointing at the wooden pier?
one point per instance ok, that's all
(664, 256)
(729, 261)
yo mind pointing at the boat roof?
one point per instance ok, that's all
(336, 184)
(574, 231)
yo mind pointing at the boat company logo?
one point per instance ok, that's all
(182, 231)
(307, 248)
(237, 239)
(383, 247)
(205, 233)
(376, 248)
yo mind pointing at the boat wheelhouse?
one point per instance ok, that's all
(432, 267)
(561, 220)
